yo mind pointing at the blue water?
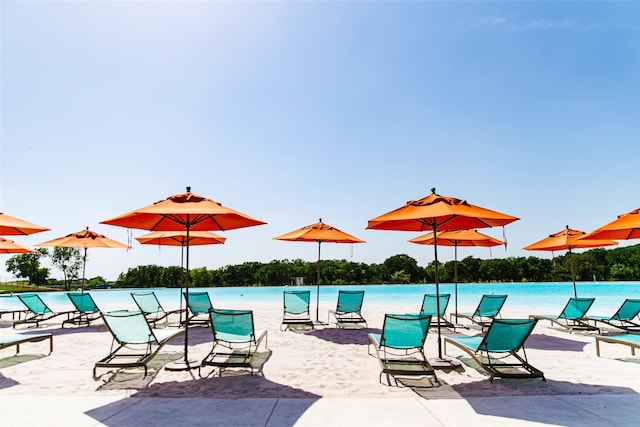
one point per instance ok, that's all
(541, 298)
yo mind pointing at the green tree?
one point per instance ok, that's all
(69, 261)
(27, 266)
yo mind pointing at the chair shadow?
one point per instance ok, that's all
(7, 382)
(548, 342)
(344, 336)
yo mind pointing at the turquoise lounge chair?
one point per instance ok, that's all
(134, 343)
(10, 340)
(296, 309)
(149, 304)
(86, 309)
(198, 304)
(430, 307)
(400, 346)
(497, 352)
(488, 309)
(624, 317)
(632, 341)
(235, 340)
(39, 311)
(348, 310)
(573, 316)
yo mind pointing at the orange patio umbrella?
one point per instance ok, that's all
(179, 238)
(11, 226)
(10, 247)
(438, 213)
(625, 227)
(568, 239)
(457, 238)
(84, 239)
(186, 212)
(318, 232)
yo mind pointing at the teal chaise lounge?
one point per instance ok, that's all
(11, 340)
(626, 317)
(573, 316)
(348, 310)
(149, 304)
(134, 342)
(86, 309)
(296, 310)
(488, 309)
(198, 306)
(39, 311)
(630, 340)
(430, 307)
(400, 346)
(498, 350)
(235, 340)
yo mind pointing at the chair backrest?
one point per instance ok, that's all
(147, 302)
(629, 309)
(490, 305)
(232, 326)
(296, 302)
(576, 308)
(429, 304)
(83, 302)
(404, 331)
(128, 327)
(350, 301)
(506, 335)
(34, 303)
(198, 302)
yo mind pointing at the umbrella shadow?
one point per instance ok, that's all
(499, 402)
(344, 336)
(208, 401)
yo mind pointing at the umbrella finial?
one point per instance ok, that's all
(567, 226)
(320, 219)
(433, 190)
(188, 189)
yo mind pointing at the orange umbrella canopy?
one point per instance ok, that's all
(625, 227)
(458, 238)
(319, 232)
(441, 213)
(567, 239)
(84, 239)
(179, 238)
(184, 210)
(11, 226)
(9, 247)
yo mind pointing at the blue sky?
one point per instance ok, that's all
(292, 111)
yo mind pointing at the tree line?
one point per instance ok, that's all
(597, 264)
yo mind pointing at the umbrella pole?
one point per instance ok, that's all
(455, 277)
(435, 253)
(186, 364)
(573, 276)
(182, 278)
(84, 268)
(318, 285)
(440, 361)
